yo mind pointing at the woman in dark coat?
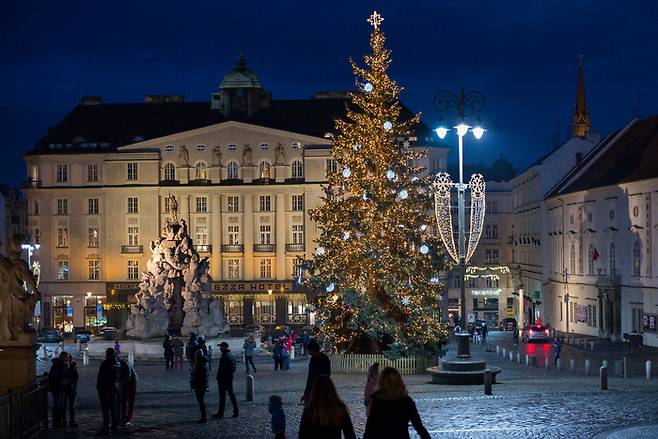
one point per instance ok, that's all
(325, 416)
(199, 382)
(392, 409)
(168, 352)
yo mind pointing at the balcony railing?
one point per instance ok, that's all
(608, 280)
(295, 247)
(132, 249)
(203, 248)
(232, 248)
(263, 247)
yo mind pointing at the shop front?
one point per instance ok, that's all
(119, 298)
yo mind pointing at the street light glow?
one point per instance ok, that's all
(478, 132)
(462, 129)
(441, 132)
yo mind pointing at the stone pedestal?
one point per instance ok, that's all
(17, 362)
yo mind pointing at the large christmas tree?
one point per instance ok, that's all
(376, 262)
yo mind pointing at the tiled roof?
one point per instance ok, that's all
(90, 128)
(633, 156)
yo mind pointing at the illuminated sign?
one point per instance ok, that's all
(486, 292)
(251, 287)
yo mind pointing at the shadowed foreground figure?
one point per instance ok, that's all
(199, 382)
(318, 365)
(107, 385)
(325, 416)
(225, 373)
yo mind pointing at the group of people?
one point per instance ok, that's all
(173, 351)
(63, 385)
(116, 385)
(282, 349)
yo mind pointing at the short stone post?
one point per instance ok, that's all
(527, 360)
(250, 387)
(625, 367)
(497, 350)
(546, 363)
(558, 365)
(647, 367)
(591, 345)
(292, 352)
(518, 357)
(85, 357)
(588, 366)
(572, 365)
(131, 358)
(617, 368)
(504, 353)
(487, 381)
(603, 377)
(511, 356)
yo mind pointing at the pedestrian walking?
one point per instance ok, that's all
(225, 373)
(285, 355)
(107, 386)
(190, 348)
(57, 385)
(318, 365)
(325, 416)
(515, 335)
(199, 382)
(392, 409)
(178, 347)
(278, 417)
(485, 331)
(557, 348)
(305, 339)
(201, 344)
(117, 348)
(128, 390)
(168, 352)
(71, 390)
(371, 386)
(277, 355)
(249, 347)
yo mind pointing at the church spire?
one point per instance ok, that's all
(581, 125)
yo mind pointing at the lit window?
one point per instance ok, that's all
(297, 233)
(133, 269)
(264, 169)
(133, 235)
(265, 234)
(202, 235)
(201, 173)
(94, 269)
(233, 235)
(266, 268)
(62, 237)
(202, 204)
(233, 203)
(297, 169)
(62, 270)
(233, 269)
(92, 237)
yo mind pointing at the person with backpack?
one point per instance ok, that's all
(199, 382)
(225, 373)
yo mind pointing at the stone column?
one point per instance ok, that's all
(281, 310)
(215, 229)
(247, 312)
(280, 230)
(248, 236)
(17, 362)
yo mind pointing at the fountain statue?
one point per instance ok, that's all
(175, 292)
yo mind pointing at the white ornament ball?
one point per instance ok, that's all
(346, 235)
(368, 87)
(335, 297)
(424, 249)
(365, 196)
(423, 227)
(319, 251)
(390, 174)
(434, 280)
(356, 146)
(347, 172)
(414, 179)
(330, 287)
(404, 194)
(405, 301)
(388, 125)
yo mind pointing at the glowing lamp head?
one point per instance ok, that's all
(462, 129)
(441, 132)
(478, 132)
(37, 246)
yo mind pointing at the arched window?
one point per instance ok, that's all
(232, 170)
(297, 169)
(572, 258)
(200, 147)
(637, 258)
(612, 258)
(201, 173)
(590, 259)
(264, 169)
(170, 171)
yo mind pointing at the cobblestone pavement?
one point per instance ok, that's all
(527, 402)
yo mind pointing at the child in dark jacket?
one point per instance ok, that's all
(278, 417)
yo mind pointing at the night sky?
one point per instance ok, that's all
(522, 55)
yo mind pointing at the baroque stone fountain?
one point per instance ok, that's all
(175, 292)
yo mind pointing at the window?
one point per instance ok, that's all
(62, 237)
(590, 259)
(611, 214)
(297, 268)
(298, 202)
(202, 235)
(133, 269)
(297, 169)
(455, 281)
(637, 258)
(612, 258)
(233, 269)
(264, 146)
(297, 233)
(202, 204)
(491, 255)
(264, 170)
(94, 269)
(200, 147)
(572, 258)
(62, 270)
(233, 235)
(62, 207)
(92, 237)
(491, 231)
(266, 268)
(232, 171)
(37, 236)
(35, 210)
(92, 172)
(133, 235)
(296, 145)
(133, 172)
(473, 283)
(331, 166)
(594, 316)
(232, 146)
(491, 282)
(169, 148)
(491, 207)
(170, 171)
(233, 202)
(265, 203)
(133, 205)
(92, 206)
(200, 171)
(62, 173)
(265, 234)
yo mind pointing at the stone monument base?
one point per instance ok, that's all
(17, 362)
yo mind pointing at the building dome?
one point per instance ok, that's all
(240, 77)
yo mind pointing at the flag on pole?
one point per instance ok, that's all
(595, 255)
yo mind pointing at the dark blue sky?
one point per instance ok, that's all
(522, 55)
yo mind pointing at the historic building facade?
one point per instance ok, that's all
(244, 168)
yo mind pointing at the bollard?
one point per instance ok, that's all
(546, 363)
(504, 353)
(292, 352)
(511, 356)
(558, 365)
(603, 377)
(131, 358)
(625, 367)
(647, 367)
(572, 365)
(604, 363)
(487, 382)
(497, 349)
(588, 366)
(518, 357)
(250, 387)
(527, 360)
(591, 345)
(85, 357)
(617, 368)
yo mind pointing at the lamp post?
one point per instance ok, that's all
(466, 242)
(30, 251)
